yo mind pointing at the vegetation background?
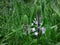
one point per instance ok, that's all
(14, 14)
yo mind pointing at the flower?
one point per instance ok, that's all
(36, 33)
(36, 22)
(33, 30)
(43, 30)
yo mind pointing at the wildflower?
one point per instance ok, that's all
(43, 30)
(36, 22)
(33, 30)
(36, 33)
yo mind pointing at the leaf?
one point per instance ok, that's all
(58, 37)
(55, 9)
(58, 43)
(25, 19)
(3, 44)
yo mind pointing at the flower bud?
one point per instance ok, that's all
(43, 30)
(33, 30)
(36, 33)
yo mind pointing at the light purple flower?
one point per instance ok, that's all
(43, 30)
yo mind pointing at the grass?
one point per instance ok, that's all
(16, 17)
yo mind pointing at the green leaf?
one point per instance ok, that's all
(25, 19)
(58, 43)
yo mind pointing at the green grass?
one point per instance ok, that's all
(16, 17)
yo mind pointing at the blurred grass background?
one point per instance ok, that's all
(12, 19)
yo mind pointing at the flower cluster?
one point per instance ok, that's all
(34, 30)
